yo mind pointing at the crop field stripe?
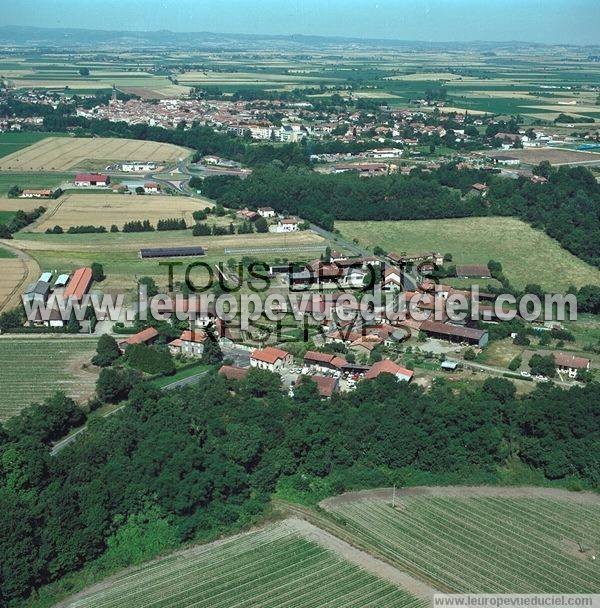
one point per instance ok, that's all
(445, 536)
(275, 568)
(466, 529)
(522, 536)
(244, 558)
(470, 541)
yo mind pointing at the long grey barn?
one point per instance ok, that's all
(171, 252)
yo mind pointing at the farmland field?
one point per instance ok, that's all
(11, 205)
(555, 156)
(119, 252)
(13, 142)
(30, 180)
(527, 255)
(482, 540)
(66, 153)
(280, 566)
(54, 364)
(107, 209)
(17, 270)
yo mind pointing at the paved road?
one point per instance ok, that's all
(240, 357)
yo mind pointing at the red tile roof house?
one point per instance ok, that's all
(392, 279)
(85, 180)
(386, 366)
(270, 358)
(570, 364)
(192, 343)
(147, 336)
(324, 361)
(480, 189)
(79, 284)
(232, 372)
(365, 344)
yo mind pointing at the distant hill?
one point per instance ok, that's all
(27, 36)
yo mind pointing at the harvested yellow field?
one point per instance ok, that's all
(107, 209)
(66, 153)
(24, 204)
(15, 274)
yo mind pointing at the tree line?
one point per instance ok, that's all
(566, 206)
(206, 458)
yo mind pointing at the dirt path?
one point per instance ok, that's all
(31, 272)
(385, 494)
(364, 560)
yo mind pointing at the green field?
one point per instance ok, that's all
(34, 368)
(6, 216)
(12, 142)
(119, 252)
(31, 180)
(6, 254)
(527, 255)
(181, 375)
(273, 568)
(484, 544)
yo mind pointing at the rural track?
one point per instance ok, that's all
(30, 269)
(69, 439)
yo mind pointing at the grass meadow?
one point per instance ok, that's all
(527, 255)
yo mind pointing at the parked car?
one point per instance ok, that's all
(526, 374)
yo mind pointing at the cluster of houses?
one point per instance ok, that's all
(277, 223)
(100, 180)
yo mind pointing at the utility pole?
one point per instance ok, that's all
(394, 497)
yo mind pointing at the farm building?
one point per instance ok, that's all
(138, 167)
(480, 190)
(363, 169)
(389, 367)
(85, 180)
(147, 336)
(473, 271)
(385, 153)
(171, 252)
(270, 358)
(51, 318)
(61, 280)
(288, 224)
(151, 188)
(266, 212)
(507, 161)
(449, 366)
(455, 333)
(571, 364)
(46, 277)
(37, 292)
(324, 361)
(79, 284)
(37, 193)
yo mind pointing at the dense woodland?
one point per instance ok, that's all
(567, 207)
(178, 466)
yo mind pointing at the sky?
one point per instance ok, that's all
(546, 21)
